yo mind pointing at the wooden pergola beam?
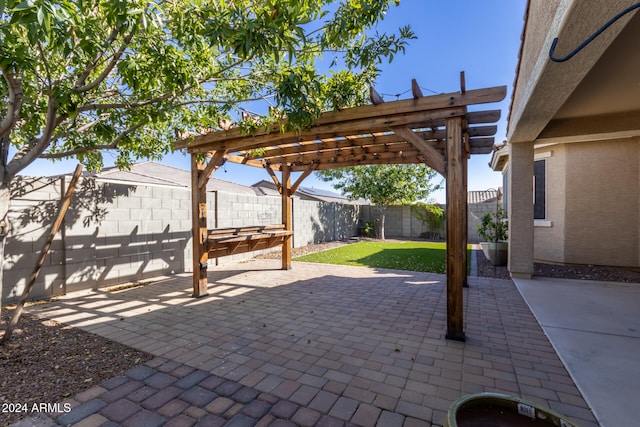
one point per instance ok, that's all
(364, 141)
(385, 138)
(397, 154)
(374, 96)
(415, 89)
(215, 162)
(243, 160)
(319, 156)
(364, 126)
(481, 145)
(302, 177)
(404, 160)
(295, 139)
(273, 176)
(433, 158)
(387, 109)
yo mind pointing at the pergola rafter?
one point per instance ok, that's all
(436, 130)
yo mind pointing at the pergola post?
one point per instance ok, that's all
(465, 226)
(456, 245)
(199, 227)
(286, 215)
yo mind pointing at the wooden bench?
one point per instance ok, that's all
(237, 240)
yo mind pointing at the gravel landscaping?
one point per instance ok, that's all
(47, 362)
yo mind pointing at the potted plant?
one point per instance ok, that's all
(494, 229)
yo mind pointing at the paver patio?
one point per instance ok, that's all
(316, 345)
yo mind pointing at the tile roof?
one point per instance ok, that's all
(484, 196)
(159, 174)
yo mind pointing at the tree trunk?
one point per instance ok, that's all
(382, 215)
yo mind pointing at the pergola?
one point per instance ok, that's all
(436, 130)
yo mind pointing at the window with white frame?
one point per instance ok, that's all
(540, 189)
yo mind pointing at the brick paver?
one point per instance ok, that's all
(317, 345)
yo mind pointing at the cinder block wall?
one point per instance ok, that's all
(316, 222)
(113, 233)
(117, 233)
(401, 223)
(30, 215)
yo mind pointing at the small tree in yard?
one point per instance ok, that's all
(384, 185)
(83, 77)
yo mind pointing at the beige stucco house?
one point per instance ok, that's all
(572, 160)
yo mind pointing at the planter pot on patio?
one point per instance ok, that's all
(496, 252)
(500, 410)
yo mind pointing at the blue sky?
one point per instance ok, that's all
(481, 38)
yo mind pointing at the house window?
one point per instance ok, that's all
(540, 189)
(505, 191)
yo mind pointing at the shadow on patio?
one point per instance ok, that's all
(360, 345)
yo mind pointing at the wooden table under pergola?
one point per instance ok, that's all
(436, 130)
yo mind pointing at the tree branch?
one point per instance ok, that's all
(15, 102)
(105, 73)
(87, 72)
(128, 105)
(31, 151)
(80, 150)
(82, 128)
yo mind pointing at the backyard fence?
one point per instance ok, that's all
(116, 232)
(401, 223)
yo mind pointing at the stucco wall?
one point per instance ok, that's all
(540, 18)
(593, 204)
(549, 240)
(602, 203)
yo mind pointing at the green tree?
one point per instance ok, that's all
(384, 185)
(81, 77)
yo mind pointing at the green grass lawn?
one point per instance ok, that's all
(411, 256)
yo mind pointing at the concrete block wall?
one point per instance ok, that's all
(116, 233)
(113, 233)
(30, 215)
(401, 223)
(476, 212)
(316, 222)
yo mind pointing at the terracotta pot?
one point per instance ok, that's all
(501, 410)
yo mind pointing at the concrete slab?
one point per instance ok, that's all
(595, 329)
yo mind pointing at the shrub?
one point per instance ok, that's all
(494, 226)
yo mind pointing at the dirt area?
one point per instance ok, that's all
(573, 271)
(305, 250)
(46, 362)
